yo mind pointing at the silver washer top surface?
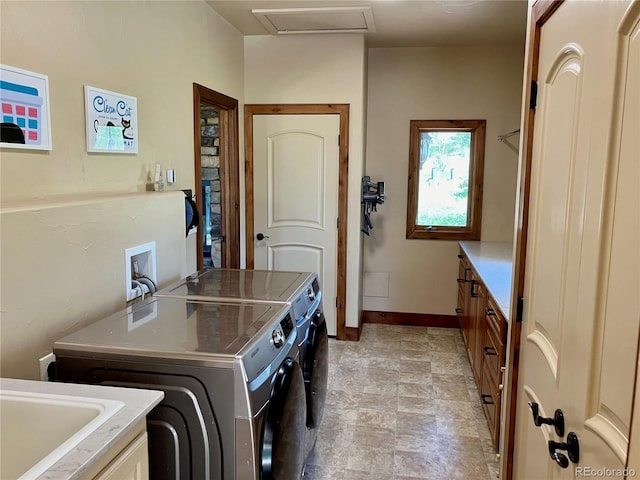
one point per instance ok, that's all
(178, 330)
(263, 285)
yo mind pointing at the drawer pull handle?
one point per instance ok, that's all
(474, 293)
(459, 311)
(490, 311)
(489, 351)
(486, 399)
(460, 280)
(460, 255)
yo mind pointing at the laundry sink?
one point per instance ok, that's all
(38, 429)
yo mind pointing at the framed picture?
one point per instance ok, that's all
(26, 120)
(111, 121)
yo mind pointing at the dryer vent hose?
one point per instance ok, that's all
(150, 284)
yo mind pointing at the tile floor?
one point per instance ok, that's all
(402, 404)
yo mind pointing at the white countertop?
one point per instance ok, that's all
(137, 403)
(493, 263)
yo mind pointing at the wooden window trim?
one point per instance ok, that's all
(476, 174)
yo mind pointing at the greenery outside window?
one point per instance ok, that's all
(446, 165)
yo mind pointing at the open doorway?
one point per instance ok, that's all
(216, 178)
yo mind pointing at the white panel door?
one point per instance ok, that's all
(296, 198)
(582, 289)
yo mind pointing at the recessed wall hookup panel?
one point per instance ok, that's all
(140, 260)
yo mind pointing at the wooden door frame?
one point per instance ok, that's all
(542, 10)
(229, 168)
(343, 171)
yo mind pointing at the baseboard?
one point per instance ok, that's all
(411, 319)
(352, 334)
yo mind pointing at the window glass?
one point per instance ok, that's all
(445, 179)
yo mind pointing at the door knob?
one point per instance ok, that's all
(261, 237)
(571, 446)
(560, 459)
(557, 421)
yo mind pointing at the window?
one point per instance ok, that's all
(446, 164)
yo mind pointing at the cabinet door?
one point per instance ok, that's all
(479, 326)
(464, 299)
(131, 464)
(490, 396)
(492, 363)
(472, 318)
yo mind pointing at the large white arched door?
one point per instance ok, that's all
(295, 176)
(582, 289)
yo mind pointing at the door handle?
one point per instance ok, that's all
(571, 446)
(261, 237)
(557, 421)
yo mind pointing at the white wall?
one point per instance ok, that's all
(319, 69)
(63, 265)
(62, 259)
(439, 83)
(154, 51)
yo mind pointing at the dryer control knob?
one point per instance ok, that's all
(311, 294)
(278, 338)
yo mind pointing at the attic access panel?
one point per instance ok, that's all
(316, 20)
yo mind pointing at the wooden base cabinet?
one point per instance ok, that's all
(484, 331)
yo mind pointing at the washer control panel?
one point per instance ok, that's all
(305, 301)
(269, 346)
(287, 325)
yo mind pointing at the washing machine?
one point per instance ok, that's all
(255, 286)
(235, 401)
(299, 289)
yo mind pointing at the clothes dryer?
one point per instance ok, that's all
(234, 405)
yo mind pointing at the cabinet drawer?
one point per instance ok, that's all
(490, 396)
(496, 320)
(493, 353)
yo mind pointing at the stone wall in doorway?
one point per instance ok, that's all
(211, 188)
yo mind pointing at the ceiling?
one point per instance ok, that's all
(405, 23)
